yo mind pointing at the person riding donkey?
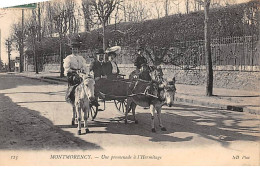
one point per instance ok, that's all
(140, 60)
(73, 64)
(144, 71)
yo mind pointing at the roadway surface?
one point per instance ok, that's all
(35, 117)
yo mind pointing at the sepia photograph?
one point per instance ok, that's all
(130, 83)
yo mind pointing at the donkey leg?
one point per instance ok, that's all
(160, 119)
(85, 117)
(152, 110)
(73, 115)
(128, 108)
(133, 110)
(79, 118)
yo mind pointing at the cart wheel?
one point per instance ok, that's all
(120, 105)
(93, 112)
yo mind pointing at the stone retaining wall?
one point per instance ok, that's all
(231, 77)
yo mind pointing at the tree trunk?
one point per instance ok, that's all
(209, 86)
(34, 53)
(86, 13)
(39, 24)
(104, 35)
(9, 60)
(21, 51)
(35, 59)
(187, 6)
(258, 43)
(61, 57)
(166, 7)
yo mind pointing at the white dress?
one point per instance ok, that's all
(74, 62)
(114, 68)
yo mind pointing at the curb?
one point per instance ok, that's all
(56, 79)
(44, 79)
(220, 106)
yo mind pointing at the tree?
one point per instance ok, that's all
(258, 43)
(8, 45)
(103, 10)
(166, 7)
(197, 4)
(18, 39)
(177, 4)
(157, 8)
(209, 85)
(87, 14)
(64, 19)
(1, 65)
(49, 28)
(33, 30)
(187, 5)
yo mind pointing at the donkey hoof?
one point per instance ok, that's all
(79, 132)
(87, 131)
(163, 129)
(153, 130)
(136, 121)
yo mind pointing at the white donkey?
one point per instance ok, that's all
(84, 93)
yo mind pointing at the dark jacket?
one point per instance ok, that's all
(106, 68)
(73, 81)
(145, 75)
(139, 61)
(96, 67)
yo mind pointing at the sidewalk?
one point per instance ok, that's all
(227, 99)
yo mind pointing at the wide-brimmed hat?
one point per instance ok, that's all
(144, 65)
(75, 41)
(113, 50)
(100, 51)
(140, 49)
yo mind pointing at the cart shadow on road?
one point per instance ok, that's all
(48, 93)
(213, 124)
(11, 81)
(144, 130)
(25, 129)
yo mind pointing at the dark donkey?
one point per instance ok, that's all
(148, 94)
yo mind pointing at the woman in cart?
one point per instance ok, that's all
(111, 53)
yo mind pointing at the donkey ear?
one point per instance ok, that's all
(161, 85)
(90, 75)
(173, 80)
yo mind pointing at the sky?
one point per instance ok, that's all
(10, 16)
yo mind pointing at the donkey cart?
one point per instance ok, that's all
(110, 90)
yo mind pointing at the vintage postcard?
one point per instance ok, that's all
(130, 83)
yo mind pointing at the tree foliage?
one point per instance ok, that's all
(164, 32)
